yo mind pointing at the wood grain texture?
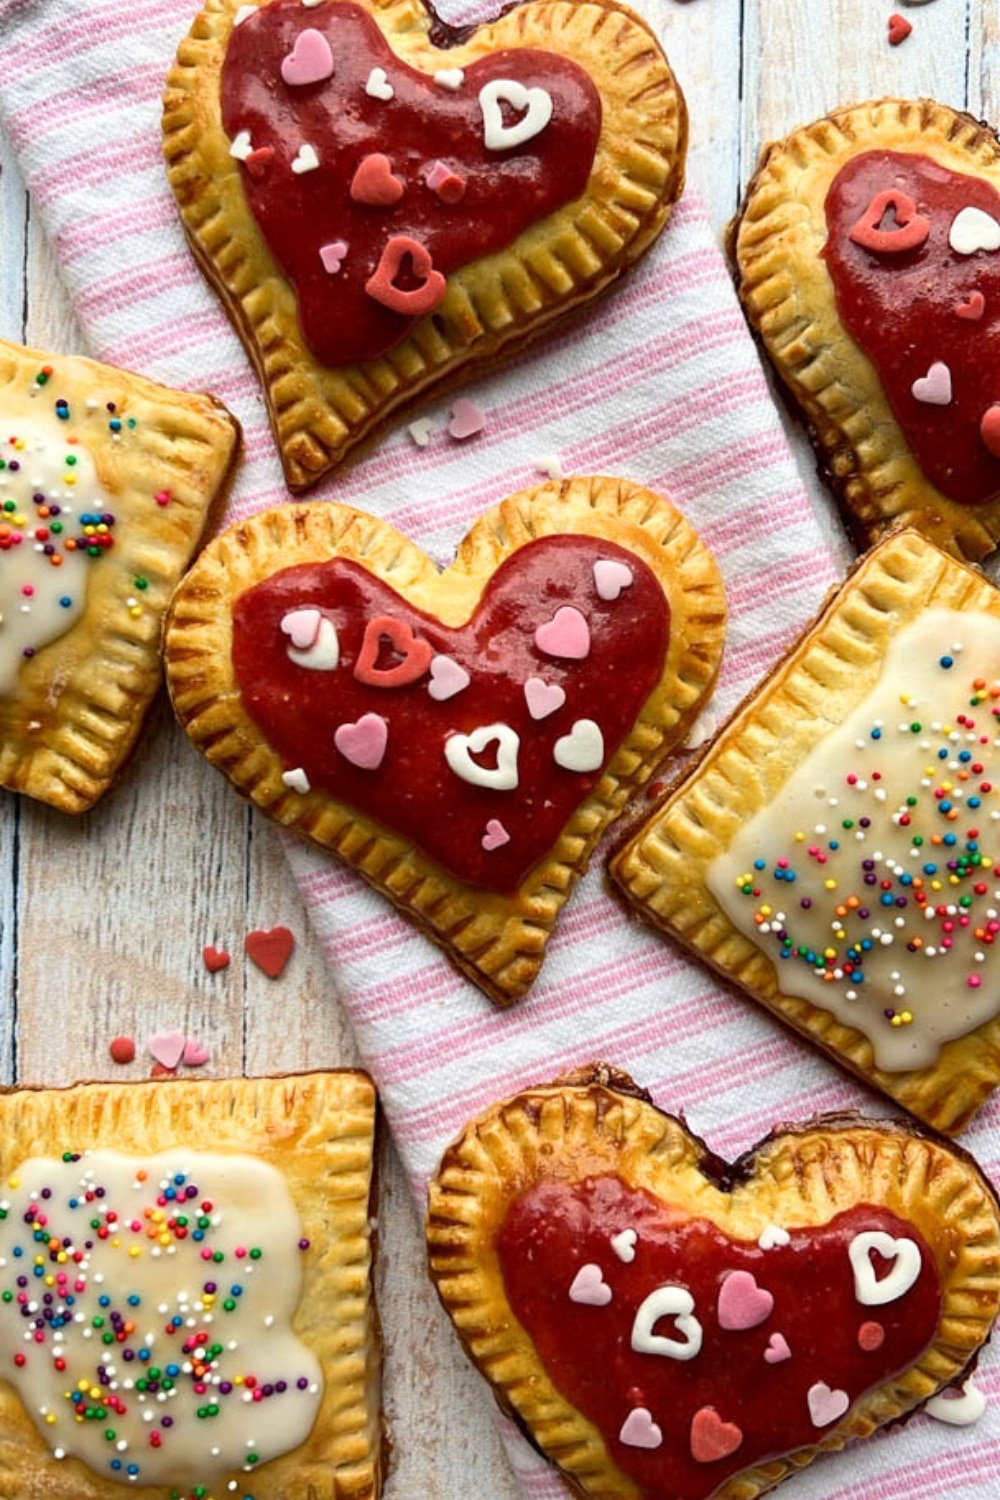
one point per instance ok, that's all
(102, 920)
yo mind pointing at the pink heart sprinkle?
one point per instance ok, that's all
(590, 1288)
(310, 60)
(302, 627)
(610, 577)
(363, 743)
(777, 1350)
(566, 634)
(167, 1048)
(639, 1430)
(742, 1303)
(495, 836)
(466, 419)
(447, 678)
(332, 256)
(972, 308)
(449, 185)
(934, 388)
(193, 1054)
(826, 1405)
(543, 698)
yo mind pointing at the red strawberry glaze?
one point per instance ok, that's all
(423, 123)
(414, 789)
(729, 1388)
(900, 303)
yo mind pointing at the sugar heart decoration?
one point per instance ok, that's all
(448, 677)
(711, 1438)
(374, 182)
(899, 29)
(215, 959)
(936, 369)
(305, 159)
(589, 1287)
(826, 1406)
(623, 1245)
(958, 1407)
(543, 698)
(332, 256)
(611, 577)
(310, 60)
(194, 1054)
(495, 836)
(302, 627)
(378, 86)
(742, 1303)
(972, 308)
(363, 743)
(567, 634)
(270, 950)
(297, 780)
(582, 750)
(903, 1258)
(533, 107)
(639, 1430)
(466, 419)
(166, 1048)
(777, 1350)
(425, 286)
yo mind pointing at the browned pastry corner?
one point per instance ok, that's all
(107, 481)
(661, 1323)
(205, 1255)
(381, 203)
(834, 849)
(461, 738)
(865, 255)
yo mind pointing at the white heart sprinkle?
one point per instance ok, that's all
(549, 465)
(972, 229)
(535, 103)
(582, 749)
(868, 1288)
(960, 1409)
(667, 1302)
(420, 431)
(378, 85)
(589, 1287)
(306, 160)
(449, 78)
(242, 146)
(934, 388)
(772, 1237)
(623, 1245)
(324, 654)
(297, 780)
(460, 748)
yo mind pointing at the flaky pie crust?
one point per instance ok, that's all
(775, 245)
(802, 1175)
(497, 940)
(318, 1130)
(69, 726)
(662, 869)
(319, 414)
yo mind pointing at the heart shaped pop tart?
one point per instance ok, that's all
(867, 253)
(461, 738)
(380, 201)
(665, 1326)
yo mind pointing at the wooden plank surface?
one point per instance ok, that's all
(103, 919)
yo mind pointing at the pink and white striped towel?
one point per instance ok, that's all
(659, 383)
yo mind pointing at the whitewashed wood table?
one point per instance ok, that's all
(103, 919)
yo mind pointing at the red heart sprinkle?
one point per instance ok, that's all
(711, 1437)
(373, 182)
(411, 301)
(215, 959)
(270, 950)
(258, 162)
(415, 655)
(899, 29)
(909, 230)
(122, 1049)
(972, 308)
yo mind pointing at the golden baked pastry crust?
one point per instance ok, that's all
(663, 869)
(775, 245)
(319, 414)
(68, 725)
(318, 1130)
(591, 1128)
(497, 939)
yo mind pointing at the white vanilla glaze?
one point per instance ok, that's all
(898, 916)
(131, 1300)
(42, 456)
